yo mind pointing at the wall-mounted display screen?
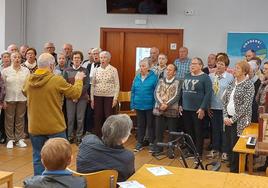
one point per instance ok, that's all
(137, 6)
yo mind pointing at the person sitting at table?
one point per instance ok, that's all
(107, 153)
(56, 155)
(237, 109)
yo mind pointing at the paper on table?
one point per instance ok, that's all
(159, 171)
(130, 184)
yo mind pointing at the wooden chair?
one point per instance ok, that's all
(124, 97)
(104, 178)
(6, 178)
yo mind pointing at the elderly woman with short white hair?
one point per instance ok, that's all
(142, 100)
(97, 154)
(104, 91)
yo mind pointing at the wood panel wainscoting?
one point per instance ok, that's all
(122, 44)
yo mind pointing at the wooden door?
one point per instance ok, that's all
(122, 44)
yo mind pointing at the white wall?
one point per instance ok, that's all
(79, 21)
(12, 23)
(2, 23)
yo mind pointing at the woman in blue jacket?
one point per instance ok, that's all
(142, 100)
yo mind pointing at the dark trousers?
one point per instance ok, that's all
(231, 135)
(102, 110)
(89, 120)
(207, 127)
(161, 124)
(2, 125)
(225, 148)
(145, 119)
(217, 130)
(194, 127)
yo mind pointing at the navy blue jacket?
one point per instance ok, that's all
(94, 156)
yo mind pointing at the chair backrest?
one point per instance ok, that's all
(124, 96)
(104, 178)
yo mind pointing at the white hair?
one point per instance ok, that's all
(96, 49)
(108, 54)
(253, 65)
(45, 60)
(145, 61)
(116, 128)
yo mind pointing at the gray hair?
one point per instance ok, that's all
(4, 53)
(146, 61)
(45, 60)
(108, 54)
(97, 49)
(116, 128)
(49, 44)
(12, 47)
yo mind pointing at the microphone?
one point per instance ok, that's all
(177, 133)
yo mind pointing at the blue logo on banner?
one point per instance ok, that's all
(254, 44)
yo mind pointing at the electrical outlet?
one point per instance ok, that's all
(189, 12)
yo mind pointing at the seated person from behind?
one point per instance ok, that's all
(108, 153)
(56, 155)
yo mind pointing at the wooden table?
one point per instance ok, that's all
(241, 148)
(191, 178)
(6, 177)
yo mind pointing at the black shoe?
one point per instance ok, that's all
(71, 140)
(145, 143)
(78, 141)
(262, 168)
(209, 148)
(2, 140)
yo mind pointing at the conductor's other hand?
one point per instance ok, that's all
(80, 76)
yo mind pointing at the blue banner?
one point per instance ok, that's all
(239, 43)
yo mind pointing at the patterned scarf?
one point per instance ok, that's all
(216, 84)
